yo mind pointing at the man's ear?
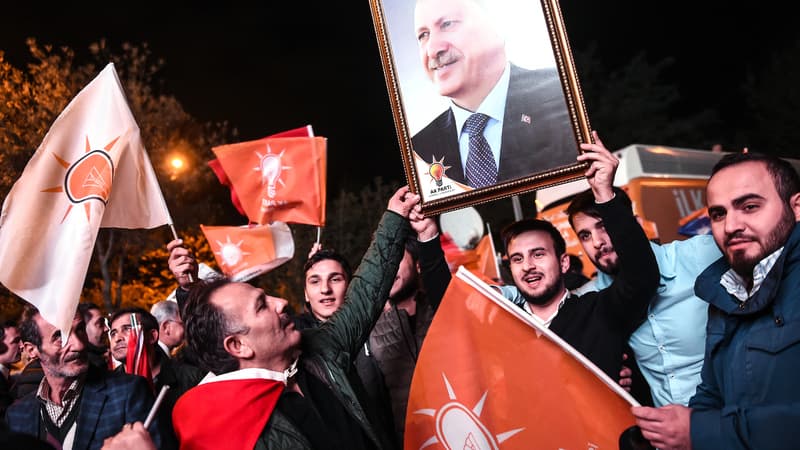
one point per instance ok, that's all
(31, 350)
(564, 263)
(152, 337)
(163, 328)
(236, 348)
(794, 203)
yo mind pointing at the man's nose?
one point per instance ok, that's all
(325, 287)
(436, 45)
(733, 223)
(598, 241)
(278, 303)
(75, 342)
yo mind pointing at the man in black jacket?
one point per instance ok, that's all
(598, 324)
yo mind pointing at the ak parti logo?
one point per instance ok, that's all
(87, 179)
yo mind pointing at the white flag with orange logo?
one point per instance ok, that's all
(490, 377)
(90, 171)
(248, 251)
(278, 178)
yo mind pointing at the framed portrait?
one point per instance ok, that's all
(485, 97)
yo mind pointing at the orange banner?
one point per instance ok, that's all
(488, 379)
(278, 179)
(246, 252)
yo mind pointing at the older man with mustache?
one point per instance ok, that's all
(75, 407)
(504, 122)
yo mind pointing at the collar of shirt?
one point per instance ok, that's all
(494, 106)
(252, 373)
(165, 348)
(735, 284)
(546, 322)
(58, 413)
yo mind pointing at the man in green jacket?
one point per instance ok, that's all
(276, 387)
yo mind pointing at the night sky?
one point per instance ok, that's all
(268, 68)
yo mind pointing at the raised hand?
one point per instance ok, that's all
(403, 201)
(182, 263)
(603, 166)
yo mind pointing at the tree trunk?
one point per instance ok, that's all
(103, 246)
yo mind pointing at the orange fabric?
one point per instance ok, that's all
(216, 167)
(535, 394)
(487, 260)
(244, 252)
(278, 179)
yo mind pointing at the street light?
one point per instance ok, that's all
(177, 164)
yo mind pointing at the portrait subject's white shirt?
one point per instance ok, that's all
(494, 106)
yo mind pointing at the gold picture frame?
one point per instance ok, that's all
(538, 120)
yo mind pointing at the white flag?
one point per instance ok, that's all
(90, 171)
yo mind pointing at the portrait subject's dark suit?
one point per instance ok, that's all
(108, 401)
(537, 133)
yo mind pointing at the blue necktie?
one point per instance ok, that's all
(481, 169)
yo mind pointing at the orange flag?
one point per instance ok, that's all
(216, 167)
(246, 252)
(278, 179)
(487, 267)
(490, 377)
(91, 171)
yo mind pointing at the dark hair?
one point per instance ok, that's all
(327, 253)
(523, 226)
(784, 176)
(584, 203)
(149, 322)
(84, 309)
(28, 329)
(575, 263)
(413, 248)
(207, 327)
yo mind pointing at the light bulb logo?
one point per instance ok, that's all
(437, 170)
(270, 172)
(271, 168)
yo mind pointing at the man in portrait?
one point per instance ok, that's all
(504, 121)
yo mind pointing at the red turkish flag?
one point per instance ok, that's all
(489, 376)
(278, 179)
(228, 411)
(248, 251)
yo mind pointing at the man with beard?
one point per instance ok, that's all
(669, 345)
(749, 397)
(75, 407)
(597, 324)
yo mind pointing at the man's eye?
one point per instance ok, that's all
(584, 236)
(422, 36)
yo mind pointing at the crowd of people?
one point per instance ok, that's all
(708, 321)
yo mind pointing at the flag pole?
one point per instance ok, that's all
(166, 211)
(152, 414)
(319, 234)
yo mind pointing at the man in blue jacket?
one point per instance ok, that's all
(75, 406)
(749, 397)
